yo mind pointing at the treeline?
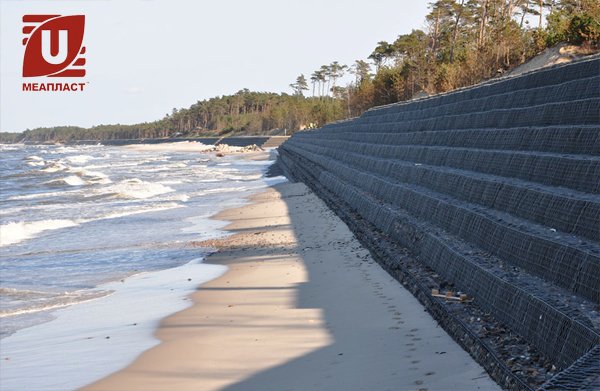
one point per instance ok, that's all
(464, 42)
(254, 113)
(246, 112)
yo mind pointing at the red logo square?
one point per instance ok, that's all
(53, 46)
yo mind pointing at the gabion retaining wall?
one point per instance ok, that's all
(495, 187)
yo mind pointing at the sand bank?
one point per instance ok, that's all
(303, 306)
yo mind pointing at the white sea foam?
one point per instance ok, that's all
(71, 180)
(79, 159)
(34, 157)
(145, 209)
(15, 232)
(10, 147)
(136, 188)
(102, 336)
(219, 190)
(64, 149)
(171, 182)
(182, 146)
(83, 171)
(111, 165)
(36, 163)
(43, 195)
(179, 197)
(245, 177)
(43, 301)
(54, 167)
(92, 176)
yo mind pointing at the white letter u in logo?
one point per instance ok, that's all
(63, 49)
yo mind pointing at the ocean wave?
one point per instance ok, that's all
(245, 177)
(92, 176)
(177, 197)
(180, 146)
(36, 163)
(42, 195)
(64, 149)
(54, 167)
(15, 232)
(219, 190)
(112, 165)
(71, 180)
(146, 209)
(137, 189)
(11, 147)
(172, 182)
(83, 171)
(21, 301)
(22, 293)
(79, 159)
(34, 157)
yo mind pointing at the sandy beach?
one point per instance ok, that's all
(302, 306)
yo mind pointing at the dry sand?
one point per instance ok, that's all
(558, 54)
(302, 307)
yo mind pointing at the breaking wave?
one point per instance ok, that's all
(37, 301)
(15, 232)
(71, 180)
(137, 189)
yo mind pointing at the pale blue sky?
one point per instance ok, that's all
(146, 57)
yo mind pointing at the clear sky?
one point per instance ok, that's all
(146, 57)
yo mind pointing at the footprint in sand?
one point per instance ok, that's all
(419, 382)
(430, 373)
(415, 361)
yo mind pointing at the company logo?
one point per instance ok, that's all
(53, 46)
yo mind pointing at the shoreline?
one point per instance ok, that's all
(302, 305)
(95, 338)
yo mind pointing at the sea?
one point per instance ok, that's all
(97, 244)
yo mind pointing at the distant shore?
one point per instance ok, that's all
(302, 306)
